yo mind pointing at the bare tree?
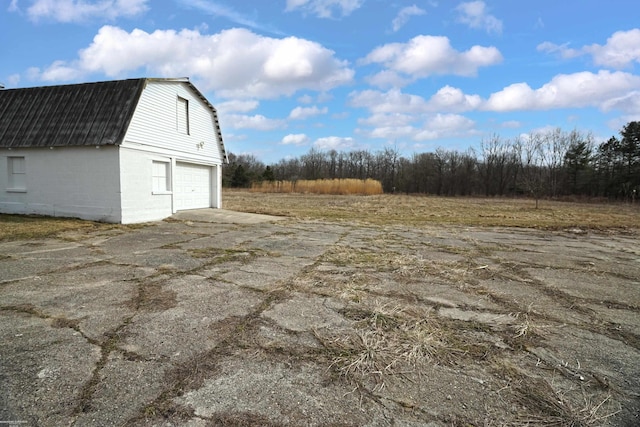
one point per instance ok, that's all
(532, 159)
(498, 165)
(555, 145)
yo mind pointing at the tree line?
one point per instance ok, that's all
(550, 163)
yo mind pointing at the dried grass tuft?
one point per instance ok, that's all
(388, 339)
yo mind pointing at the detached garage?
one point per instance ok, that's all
(121, 151)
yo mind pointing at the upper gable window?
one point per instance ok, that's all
(17, 174)
(183, 116)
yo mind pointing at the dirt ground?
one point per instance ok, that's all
(208, 320)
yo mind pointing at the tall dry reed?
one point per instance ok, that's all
(321, 186)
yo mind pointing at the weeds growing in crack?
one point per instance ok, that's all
(525, 325)
(219, 256)
(555, 403)
(387, 339)
(551, 408)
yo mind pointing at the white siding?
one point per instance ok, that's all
(80, 182)
(154, 125)
(141, 204)
(158, 132)
(139, 201)
(216, 197)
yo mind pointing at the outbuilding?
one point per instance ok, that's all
(123, 151)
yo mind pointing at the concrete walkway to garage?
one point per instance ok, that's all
(224, 216)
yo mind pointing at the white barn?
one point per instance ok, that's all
(123, 151)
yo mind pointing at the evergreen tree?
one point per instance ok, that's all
(239, 178)
(630, 153)
(268, 175)
(576, 161)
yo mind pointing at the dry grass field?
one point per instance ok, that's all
(428, 210)
(383, 209)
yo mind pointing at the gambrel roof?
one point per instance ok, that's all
(76, 114)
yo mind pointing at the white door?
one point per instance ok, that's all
(192, 187)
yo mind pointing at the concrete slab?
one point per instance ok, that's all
(224, 318)
(224, 216)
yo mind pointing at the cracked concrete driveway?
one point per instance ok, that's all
(216, 318)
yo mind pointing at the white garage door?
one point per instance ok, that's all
(192, 188)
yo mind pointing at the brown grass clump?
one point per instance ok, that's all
(365, 187)
(388, 339)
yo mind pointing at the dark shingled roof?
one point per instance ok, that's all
(77, 114)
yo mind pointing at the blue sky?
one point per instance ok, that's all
(289, 75)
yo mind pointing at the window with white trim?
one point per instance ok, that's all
(160, 177)
(17, 173)
(183, 116)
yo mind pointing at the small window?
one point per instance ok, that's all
(183, 116)
(160, 177)
(17, 173)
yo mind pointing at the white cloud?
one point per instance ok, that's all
(424, 56)
(393, 101)
(305, 99)
(235, 63)
(83, 10)
(57, 71)
(295, 139)
(229, 136)
(240, 106)
(325, 8)
(388, 120)
(334, 143)
(584, 89)
(446, 99)
(621, 50)
(563, 50)
(302, 113)
(617, 123)
(605, 90)
(387, 79)
(452, 99)
(437, 126)
(445, 126)
(628, 103)
(392, 132)
(256, 122)
(400, 116)
(405, 14)
(217, 9)
(325, 97)
(474, 14)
